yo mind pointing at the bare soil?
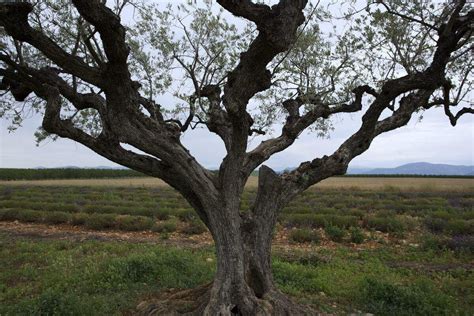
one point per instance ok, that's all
(79, 233)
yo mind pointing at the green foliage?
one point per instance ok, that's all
(384, 298)
(446, 213)
(30, 216)
(357, 235)
(168, 226)
(162, 214)
(91, 278)
(319, 220)
(435, 225)
(186, 215)
(57, 217)
(79, 218)
(133, 223)
(100, 221)
(110, 278)
(335, 233)
(450, 226)
(57, 303)
(385, 224)
(304, 235)
(194, 227)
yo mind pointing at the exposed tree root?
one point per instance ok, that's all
(176, 302)
(197, 302)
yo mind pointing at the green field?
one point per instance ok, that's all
(65, 173)
(385, 251)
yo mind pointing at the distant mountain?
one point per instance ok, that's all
(358, 170)
(425, 168)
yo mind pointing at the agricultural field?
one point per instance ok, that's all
(65, 173)
(387, 246)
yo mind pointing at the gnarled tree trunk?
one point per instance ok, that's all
(244, 282)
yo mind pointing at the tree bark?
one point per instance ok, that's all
(243, 283)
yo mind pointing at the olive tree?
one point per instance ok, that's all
(279, 71)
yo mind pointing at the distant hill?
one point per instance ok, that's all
(358, 170)
(425, 168)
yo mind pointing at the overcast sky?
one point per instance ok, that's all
(431, 140)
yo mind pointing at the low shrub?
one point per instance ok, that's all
(385, 224)
(357, 213)
(100, 221)
(168, 226)
(303, 220)
(55, 302)
(435, 225)
(460, 227)
(194, 227)
(304, 235)
(30, 216)
(162, 214)
(452, 226)
(341, 221)
(463, 243)
(442, 214)
(8, 214)
(335, 233)
(186, 215)
(79, 218)
(433, 242)
(133, 223)
(319, 220)
(383, 298)
(357, 235)
(57, 217)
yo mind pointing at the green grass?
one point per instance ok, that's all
(420, 228)
(90, 278)
(47, 277)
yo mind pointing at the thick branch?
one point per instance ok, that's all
(295, 124)
(425, 83)
(247, 9)
(14, 18)
(108, 25)
(277, 32)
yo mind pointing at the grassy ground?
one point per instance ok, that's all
(384, 250)
(54, 277)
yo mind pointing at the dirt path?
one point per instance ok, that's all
(35, 231)
(73, 233)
